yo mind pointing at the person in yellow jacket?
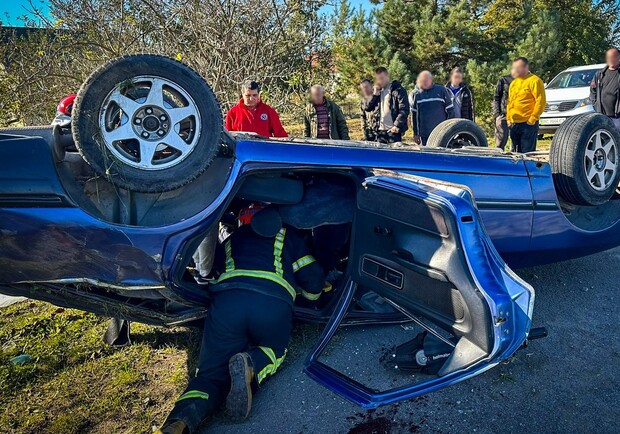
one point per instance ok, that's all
(526, 102)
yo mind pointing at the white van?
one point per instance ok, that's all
(568, 94)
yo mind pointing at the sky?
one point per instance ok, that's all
(17, 8)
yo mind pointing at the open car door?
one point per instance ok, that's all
(420, 245)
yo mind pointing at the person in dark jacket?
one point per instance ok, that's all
(605, 88)
(391, 100)
(500, 101)
(250, 317)
(370, 120)
(462, 97)
(324, 118)
(431, 104)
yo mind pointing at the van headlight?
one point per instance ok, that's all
(584, 102)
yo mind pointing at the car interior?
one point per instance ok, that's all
(403, 253)
(404, 268)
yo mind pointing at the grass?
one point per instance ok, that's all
(74, 383)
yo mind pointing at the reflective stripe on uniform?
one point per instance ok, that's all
(230, 262)
(273, 366)
(276, 277)
(278, 245)
(302, 262)
(258, 274)
(193, 394)
(310, 296)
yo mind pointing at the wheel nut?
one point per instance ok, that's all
(161, 132)
(149, 111)
(162, 118)
(137, 121)
(145, 134)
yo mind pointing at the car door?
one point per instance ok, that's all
(420, 245)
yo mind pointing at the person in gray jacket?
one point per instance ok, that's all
(431, 104)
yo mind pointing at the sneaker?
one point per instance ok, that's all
(173, 427)
(239, 401)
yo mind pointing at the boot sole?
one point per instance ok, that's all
(239, 401)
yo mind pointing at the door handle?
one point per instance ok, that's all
(403, 254)
(406, 259)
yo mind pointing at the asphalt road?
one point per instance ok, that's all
(568, 382)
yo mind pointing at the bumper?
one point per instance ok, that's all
(551, 121)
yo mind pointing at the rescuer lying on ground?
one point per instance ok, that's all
(250, 318)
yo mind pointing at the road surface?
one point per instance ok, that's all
(568, 382)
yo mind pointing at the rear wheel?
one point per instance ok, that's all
(585, 159)
(457, 133)
(147, 123)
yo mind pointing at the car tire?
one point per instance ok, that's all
(147, 123)
(457, 133)
(585, 159)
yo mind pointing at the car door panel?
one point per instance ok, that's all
(420, 245)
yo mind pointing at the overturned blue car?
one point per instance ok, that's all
(106, 217)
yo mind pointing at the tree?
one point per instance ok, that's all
(542, 45)
(277, 42)
(357, 47)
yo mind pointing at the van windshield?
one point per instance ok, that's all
(569, 79)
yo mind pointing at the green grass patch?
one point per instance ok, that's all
(73, 383)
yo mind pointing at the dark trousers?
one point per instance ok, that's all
(370, 135)
(524, 137)
(329, 240)
(387, 137)
(238, 321)
(501, 132)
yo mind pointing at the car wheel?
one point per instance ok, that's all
(457, 133)
(585, 159)
(147, 123)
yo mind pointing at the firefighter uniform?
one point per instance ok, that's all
(251, 313)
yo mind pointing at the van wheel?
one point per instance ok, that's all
(457, 133)
(585, 159)
(147, 123)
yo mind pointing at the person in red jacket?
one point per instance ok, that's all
(254, 116)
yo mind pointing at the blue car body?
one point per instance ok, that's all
(495, 208)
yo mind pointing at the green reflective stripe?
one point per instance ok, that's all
(193, 394)
(230, 262)
(310, 296)
(277, 251)
(272, 367)
(302, 262)
(258, 274)
(269, 352)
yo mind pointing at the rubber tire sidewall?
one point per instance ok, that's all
(87, 134)
(442, 133)
(566, 158)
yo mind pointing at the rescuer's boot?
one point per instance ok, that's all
(173, 427)
(239, 401)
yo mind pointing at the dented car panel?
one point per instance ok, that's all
(56, 247)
